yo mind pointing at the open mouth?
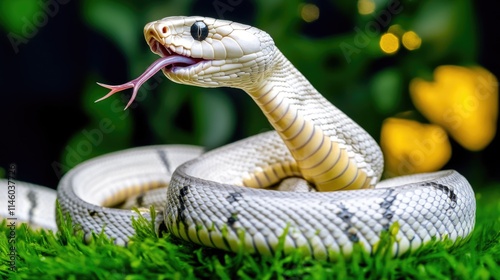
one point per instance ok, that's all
(168, 61)
(159, 49)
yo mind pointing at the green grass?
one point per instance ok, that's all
(63, 255)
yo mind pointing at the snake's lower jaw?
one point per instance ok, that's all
(184, 72)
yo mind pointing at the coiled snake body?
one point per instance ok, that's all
(223, 198)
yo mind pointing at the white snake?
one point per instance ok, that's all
(222, 198)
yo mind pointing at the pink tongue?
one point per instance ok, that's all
(152, 69)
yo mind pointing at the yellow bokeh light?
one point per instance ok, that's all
(366, 7)
(411, 147)
(411, 40)
(389, 43)
(463, 100)
(309, 12)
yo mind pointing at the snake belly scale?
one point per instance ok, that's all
(229, 197)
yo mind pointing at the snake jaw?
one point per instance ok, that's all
(163, 51)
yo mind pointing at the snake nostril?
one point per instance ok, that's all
(162, 30)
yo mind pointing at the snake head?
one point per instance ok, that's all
(204, 52)
(225, 53)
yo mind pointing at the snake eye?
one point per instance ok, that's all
(199, 30)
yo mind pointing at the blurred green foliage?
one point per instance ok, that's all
(10, 11)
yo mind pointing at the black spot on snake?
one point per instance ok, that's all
(345, 215)
(388, 200)
(163, 157)
(353, 237)
(231, 220)
(184, 191)
(386, 207)
(182, 202)
(233, 197)
(388, 215)
(445, 189)
(92, 213)
(32, 199)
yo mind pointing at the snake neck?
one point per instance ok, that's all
(330, 149)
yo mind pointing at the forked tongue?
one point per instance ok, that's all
(152, 69)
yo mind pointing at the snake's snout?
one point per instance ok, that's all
(156, 31)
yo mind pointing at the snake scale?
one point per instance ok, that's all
(314, 180)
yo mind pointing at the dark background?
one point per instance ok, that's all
(48, 80)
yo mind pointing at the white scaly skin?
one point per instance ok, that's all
(329, 149)
(244, 57)
(207, 202)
